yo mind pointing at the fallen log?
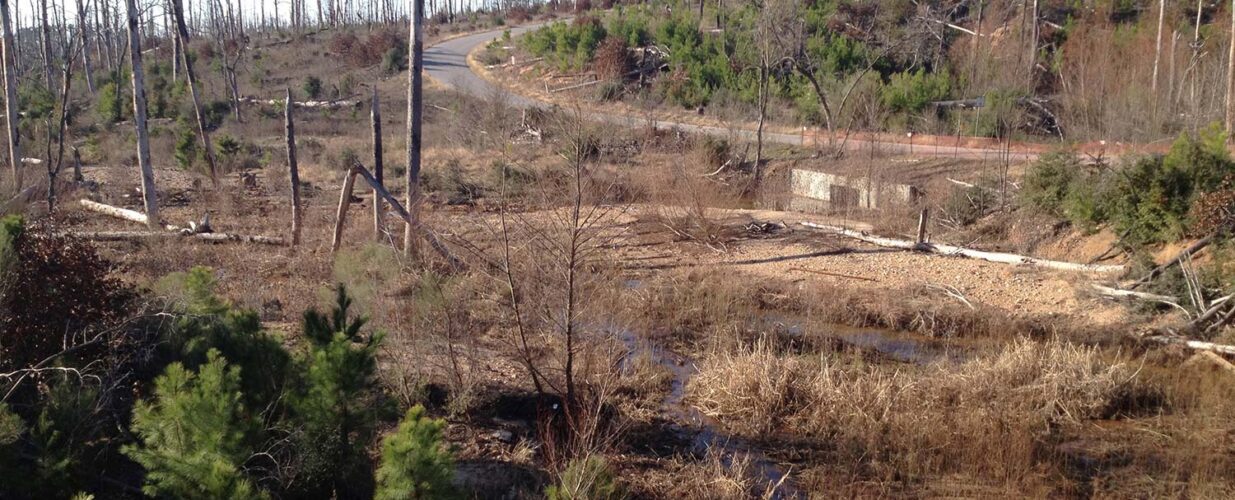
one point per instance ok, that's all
(121, 213)
(998, 257)
(345, 200)
(1116, 293)
(336, 104)
(1199, 345)
(144, 235)
(1195, 247)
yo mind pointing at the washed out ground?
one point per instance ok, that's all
(687, 300)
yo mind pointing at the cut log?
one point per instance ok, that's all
(345, 200)
(144, 235)
(998, 257)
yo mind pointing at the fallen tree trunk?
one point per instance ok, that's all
(1195, 247)
(144, 235)
(337, 104)
(1199, 345)
(998, 257)
(117, 212)
(345, 200)
(1116, 293)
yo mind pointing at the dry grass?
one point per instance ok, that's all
(985, 417)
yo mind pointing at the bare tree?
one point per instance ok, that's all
(293, 170)
(10, 93)
(1158, 47)
(45, 31)
(85, 46)
(1230, 78)
(149, 196)
(415, 107)
(376, 117)
(183, 34)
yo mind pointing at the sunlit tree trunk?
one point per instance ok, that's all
(1230, 77)
(414, 110)
(10, 93)
(149, 196)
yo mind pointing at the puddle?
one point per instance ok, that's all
(706, 434)
(896, 346)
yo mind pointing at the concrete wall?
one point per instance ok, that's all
(812, 190)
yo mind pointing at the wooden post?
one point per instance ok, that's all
(149, 196)
(345, 200)
(415, 106)
(376, 116)
(292, 169)
(923, 216)
(11, 104)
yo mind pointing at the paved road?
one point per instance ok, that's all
(446, 62)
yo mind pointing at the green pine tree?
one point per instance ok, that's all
(338, 404)
(195, 434)
(415, 462)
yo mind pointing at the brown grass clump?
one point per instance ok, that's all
(986, 416)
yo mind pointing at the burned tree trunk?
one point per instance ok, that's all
(149, 197)
(415, 107)
(183, 35)
(10, 92)
(376, 116)
(293, 170)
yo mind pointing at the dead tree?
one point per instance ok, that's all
(53, 168)
(376, 116)
(11, 104)
(415, 106)
(1230, 78)
(1158, 48)
(293, 170)
(183, 34)
(85, 46)
(345, 201)
(149, 196)
(45, 31)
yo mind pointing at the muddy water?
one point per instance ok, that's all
(896, 346)
(707, 435)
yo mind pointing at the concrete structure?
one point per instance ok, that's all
(815, 191)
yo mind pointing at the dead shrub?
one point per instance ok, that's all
(54, 287)
(612, 61)
(689, 205)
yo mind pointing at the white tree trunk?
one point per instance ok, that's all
(1230, 77)
(149, 196)
(1158, 47)
(1002, 258)
(415, 106)
(10, 92)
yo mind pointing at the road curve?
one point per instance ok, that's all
(446, 62)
